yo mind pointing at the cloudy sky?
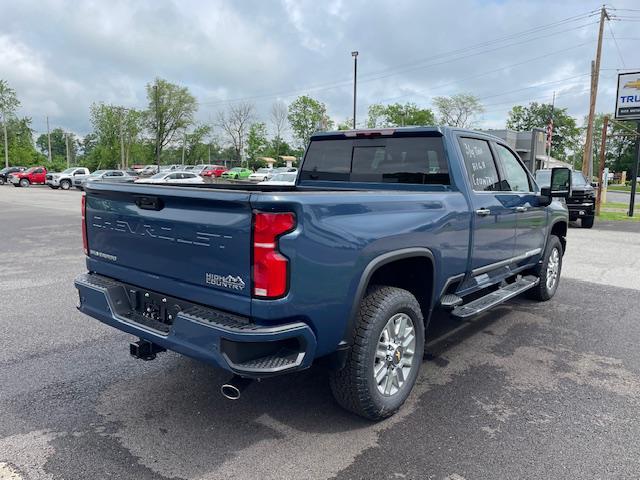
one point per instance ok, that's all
(62, 56)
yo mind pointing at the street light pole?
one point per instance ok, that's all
(354, 54)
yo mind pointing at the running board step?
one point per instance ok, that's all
(496, 297)
(450, 300)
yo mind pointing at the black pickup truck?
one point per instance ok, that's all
(582, 201)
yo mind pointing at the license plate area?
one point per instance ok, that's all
(153, 309)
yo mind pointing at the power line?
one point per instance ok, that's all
(617, 46)
(398, 69)
(524, 62)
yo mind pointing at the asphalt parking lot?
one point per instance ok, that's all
(528, 390)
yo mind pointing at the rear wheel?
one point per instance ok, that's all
(549, 271)
(383, 364)
(587, 222)
(24, 182)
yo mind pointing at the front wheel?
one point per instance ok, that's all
(65, 185)
(384, 361)
(1, 181)
(24, 182)
(586, 222)
(549, 271)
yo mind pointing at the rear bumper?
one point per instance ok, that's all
(229, 341)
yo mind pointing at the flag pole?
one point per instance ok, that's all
(550, 127)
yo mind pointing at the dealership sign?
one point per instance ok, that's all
(628, 99)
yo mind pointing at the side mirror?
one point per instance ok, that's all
(560, 184)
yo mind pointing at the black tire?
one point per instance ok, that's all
(543, 292)
(1, 181)
(65, 184)
(354, 386)
(587, 222)
(24, 182)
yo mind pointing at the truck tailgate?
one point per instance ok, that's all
(199, 239)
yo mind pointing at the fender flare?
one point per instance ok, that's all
(553, 224)
(368, 272)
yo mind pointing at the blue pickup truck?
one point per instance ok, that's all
(344, 268)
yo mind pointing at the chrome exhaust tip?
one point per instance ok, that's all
(234, 387)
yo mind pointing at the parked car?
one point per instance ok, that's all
(213, 171)
(4, 173)
(170, 168)
(64, 180)
(172, 177)
(237, 173)
(285, 178)
(260, 175)
(581, 203)
(382, 228)
(31, 176)
(118, 176)
(148, 171)
(284, 170)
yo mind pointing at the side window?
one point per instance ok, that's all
(38, 170)
(118, 174)
(516, 178)
(480, 165)
(174, 176)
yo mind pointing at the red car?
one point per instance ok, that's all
(213, 171)
(34, 175)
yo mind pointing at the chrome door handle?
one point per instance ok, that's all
(521, 209)
(483, 212)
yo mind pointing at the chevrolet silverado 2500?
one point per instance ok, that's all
(345, 267)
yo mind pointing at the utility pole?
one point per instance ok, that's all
(6, 142)
(634, 174)
(122, 161)
(354, 54)
(155, 97)
(48, 140)
(603, 146)
(66, 141)
(595, 73)
(184, 142)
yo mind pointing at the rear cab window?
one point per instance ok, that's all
(418, 160)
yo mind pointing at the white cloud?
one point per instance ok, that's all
(264, 50)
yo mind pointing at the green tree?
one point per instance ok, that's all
(566, 133)
(257, 142)
(398, 115)
(117, 136)
(460, 110)
(345, 125)
(196, 148)
(20, 143)
(8, 104)
(58, 143)
(620, 145)
(306, 116)
(171, 109)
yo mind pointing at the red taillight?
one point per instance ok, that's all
(85, 245)
(270, 267)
